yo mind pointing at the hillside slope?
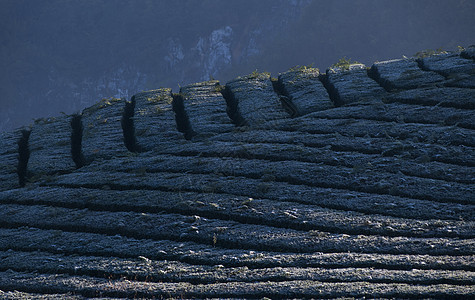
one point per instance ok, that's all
(357, 182)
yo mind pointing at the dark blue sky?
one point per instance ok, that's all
(59, 55)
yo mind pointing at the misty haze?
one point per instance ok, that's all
(62, 56)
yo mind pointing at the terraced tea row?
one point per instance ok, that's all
(357, 182)
(244, 210)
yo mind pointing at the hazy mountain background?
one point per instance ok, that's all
(64, 55)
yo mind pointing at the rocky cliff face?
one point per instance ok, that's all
(350, 183)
